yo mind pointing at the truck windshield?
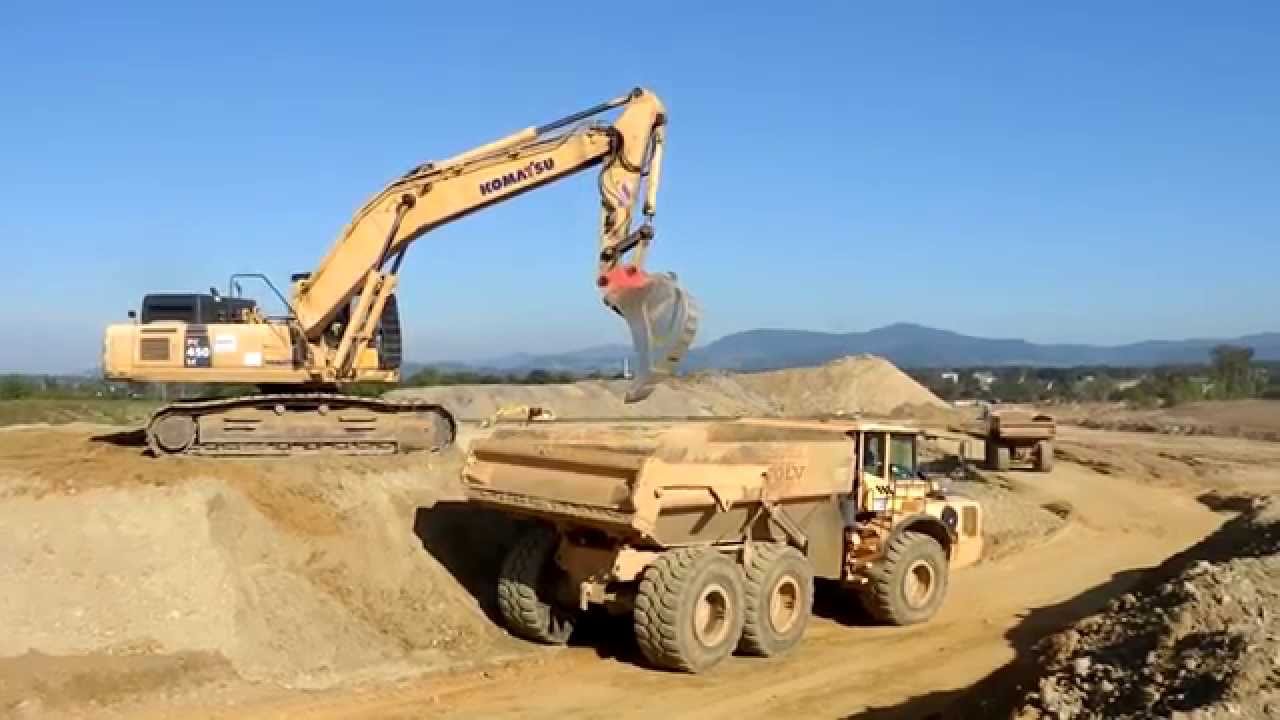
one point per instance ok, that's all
(902, 458)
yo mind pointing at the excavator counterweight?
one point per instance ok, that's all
(343, 322)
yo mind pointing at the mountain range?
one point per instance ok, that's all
(905, 344)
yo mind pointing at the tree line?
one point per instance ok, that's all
(1229, 373)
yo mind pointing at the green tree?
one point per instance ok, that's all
(13, 387)
(1175, 388)
(1142, 396)
(1233, 373)
(1095, 388)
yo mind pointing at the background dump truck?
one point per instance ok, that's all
(1021, 436)
(711, 534)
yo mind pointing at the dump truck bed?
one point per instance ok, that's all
(650, 486)
(1021, 426)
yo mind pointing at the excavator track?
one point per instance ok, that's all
(286, 424)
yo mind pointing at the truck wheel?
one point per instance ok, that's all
(1044, 456)
(778, 598)
(1003, 457)
(909, 584)
(526, 588)
(688, 611)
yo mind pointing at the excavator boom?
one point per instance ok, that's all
(630, 152)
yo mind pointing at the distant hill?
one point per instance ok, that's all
(905, 344)
(909, 345)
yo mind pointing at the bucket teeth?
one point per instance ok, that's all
(663, 319)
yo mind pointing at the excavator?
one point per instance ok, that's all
(341, 324)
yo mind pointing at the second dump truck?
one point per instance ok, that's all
(1021, 436)
(710, 535)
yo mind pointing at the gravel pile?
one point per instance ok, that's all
(1203, 641)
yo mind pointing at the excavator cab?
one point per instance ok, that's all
(662, 317)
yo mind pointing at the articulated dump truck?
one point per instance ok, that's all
(710, 534)
(1020, 436)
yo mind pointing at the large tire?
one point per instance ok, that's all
(1003, 457)
(526, 586)
(778, 599)
(1044, 456)
(688, 611)
(910, 583)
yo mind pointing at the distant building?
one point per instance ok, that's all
(951, 377)
(984, 378)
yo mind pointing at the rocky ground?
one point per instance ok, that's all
(1200, 640)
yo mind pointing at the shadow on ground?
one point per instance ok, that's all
(470, 542)
(999, 694)
(996, 694)
(136, 438)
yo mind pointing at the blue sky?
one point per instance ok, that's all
(1094, 172)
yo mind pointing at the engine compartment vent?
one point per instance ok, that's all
(153, 349)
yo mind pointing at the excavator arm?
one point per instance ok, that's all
(338, 306)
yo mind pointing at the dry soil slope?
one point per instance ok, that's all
(856, 384)
(303, 572)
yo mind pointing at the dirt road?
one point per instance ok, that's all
(1121, 524)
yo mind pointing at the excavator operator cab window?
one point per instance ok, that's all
(194, 308)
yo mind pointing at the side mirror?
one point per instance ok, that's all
(133, 314)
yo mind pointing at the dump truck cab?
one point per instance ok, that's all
(711, 533)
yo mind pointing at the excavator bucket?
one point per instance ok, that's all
(663, 319)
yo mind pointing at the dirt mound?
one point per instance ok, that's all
(851, 385)
(861, 384)
(1202, 641)
(704, 395)
(291, 572)
(1011, 521)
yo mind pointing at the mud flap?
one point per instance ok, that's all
(663, 319)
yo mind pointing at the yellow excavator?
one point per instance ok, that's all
(342, 324)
